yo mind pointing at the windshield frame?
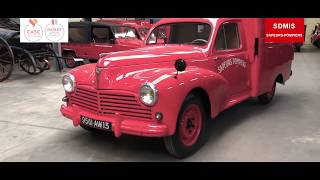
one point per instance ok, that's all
(146, 29)
(164, 24)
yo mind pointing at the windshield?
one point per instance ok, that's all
(181, 33)
(125, 32)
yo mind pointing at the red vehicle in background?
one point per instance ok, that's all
(315, 37)
(88, 40)
(142, 27)
(191, 70)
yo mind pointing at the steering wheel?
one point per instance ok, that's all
(199, 41)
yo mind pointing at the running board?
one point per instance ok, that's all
(235, 99)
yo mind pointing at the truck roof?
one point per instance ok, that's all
(174, 20)
(87, 23)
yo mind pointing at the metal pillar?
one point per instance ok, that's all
(57, 49)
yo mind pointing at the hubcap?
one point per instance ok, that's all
(190, 125)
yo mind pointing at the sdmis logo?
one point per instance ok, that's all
(46, 30)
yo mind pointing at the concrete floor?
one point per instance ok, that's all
(32, 128)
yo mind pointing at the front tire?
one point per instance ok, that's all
(191, 129)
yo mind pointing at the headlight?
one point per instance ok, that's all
(148, 94)
(68, 82)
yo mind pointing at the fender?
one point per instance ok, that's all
(172, 92)
(84, 74)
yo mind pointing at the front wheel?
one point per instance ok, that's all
(267, 97)
(191, 129)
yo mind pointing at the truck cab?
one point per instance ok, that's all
(87, 40)
(191, 70)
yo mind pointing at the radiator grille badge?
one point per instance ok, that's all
(98, 71)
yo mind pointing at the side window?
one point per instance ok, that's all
(220, 43)
(232, 36)
(100, 35)
(227, 37)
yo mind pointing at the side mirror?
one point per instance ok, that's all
(180, 65)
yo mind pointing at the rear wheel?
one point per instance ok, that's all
(191, 129)
(6, 60)
(30, 65)
(267, 97)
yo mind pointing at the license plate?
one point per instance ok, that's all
(95, 123)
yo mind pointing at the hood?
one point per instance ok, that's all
(127, 70)
(151, 54)
(122, 78)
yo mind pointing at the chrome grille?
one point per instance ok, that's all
(110, 102)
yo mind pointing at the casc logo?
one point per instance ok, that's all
(33, 22)
(33, 31)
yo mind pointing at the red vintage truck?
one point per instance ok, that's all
(87, 40)
(142, 27)
(192, 70)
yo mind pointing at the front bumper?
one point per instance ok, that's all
(120, 125)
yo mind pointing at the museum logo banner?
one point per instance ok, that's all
(45, 30)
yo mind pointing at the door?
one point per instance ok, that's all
(102, 41)
(79, 41)
(231, 58)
